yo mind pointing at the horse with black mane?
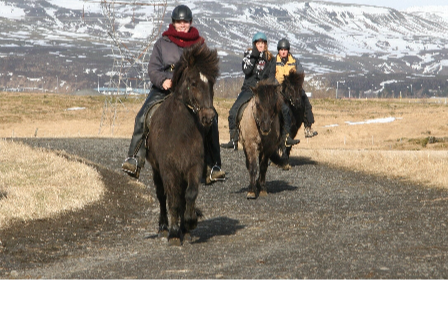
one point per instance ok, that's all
(260, 134)
(292, 89)
(176, 141)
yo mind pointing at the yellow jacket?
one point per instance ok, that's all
(283, 69)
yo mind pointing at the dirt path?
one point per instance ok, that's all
(315, 223)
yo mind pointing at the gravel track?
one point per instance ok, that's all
(317, 222)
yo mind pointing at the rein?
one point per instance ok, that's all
(288, 98)
(192, 108)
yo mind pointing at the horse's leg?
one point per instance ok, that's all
(261, 182)
(190, 215)
(182, 210)
(160, 191)
(252, 167)
(174, 204)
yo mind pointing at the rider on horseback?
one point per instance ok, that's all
(258, 64)
(285, 63)
(167, 51)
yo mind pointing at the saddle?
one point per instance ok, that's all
(150, 111)
(239, 115)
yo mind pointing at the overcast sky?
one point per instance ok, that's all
(397, 4)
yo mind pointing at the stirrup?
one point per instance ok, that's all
(128, 162)
(216, 167)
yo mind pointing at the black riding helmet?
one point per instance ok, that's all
(182, 13)
(283, 44)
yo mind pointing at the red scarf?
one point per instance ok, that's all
(183, 40)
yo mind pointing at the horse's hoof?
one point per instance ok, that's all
(263, 193)
(175, 241)
(286, 167)
(251, 195)
(187, 237)
(163, 233)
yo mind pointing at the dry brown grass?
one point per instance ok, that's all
(413, 147)
(428, 168)
(50, 115)
(416, 122)
(36, 183)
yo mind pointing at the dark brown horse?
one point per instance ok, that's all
(260, 134)
(292, 88)
(176, 141)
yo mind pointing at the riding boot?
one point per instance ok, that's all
(242, 98)
(137, 149)
(233, 143)
(213, 154)
(287, 127)
(308, 118)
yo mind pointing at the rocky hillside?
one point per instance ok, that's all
(66, 45)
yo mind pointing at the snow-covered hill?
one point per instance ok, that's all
(327, 37)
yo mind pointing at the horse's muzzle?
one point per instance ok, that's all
(265, 128)
(207, 117)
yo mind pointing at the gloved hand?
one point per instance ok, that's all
(255, 53)
(263, 55)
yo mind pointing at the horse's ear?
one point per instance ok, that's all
(302, 78)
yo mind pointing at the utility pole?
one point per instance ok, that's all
(337, 87)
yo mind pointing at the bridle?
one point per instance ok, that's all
(257, 121)
(195, 109)
(193, 106)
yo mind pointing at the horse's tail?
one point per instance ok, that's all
(278, 160)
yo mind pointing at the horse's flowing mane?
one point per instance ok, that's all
(265, 88)
(294, 78)
(202, 58)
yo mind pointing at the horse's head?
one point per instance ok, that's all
(193, 81)
(292, 88)
(268, 104)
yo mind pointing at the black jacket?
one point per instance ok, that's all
(251, 68)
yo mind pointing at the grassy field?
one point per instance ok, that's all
(406, 139)
(37, 183)
(416, 125)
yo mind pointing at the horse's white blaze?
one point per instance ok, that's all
(203, 78)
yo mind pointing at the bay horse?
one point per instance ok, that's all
(176, 141)
(292, 89)
(260, 134)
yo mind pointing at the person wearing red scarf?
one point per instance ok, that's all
(181, 39)
(166, 52)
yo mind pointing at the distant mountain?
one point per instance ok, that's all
(52, 43)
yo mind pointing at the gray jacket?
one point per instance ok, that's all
(161, 63)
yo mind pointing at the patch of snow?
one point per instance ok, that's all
(10, 11)
(373, 121)
(75, 108)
